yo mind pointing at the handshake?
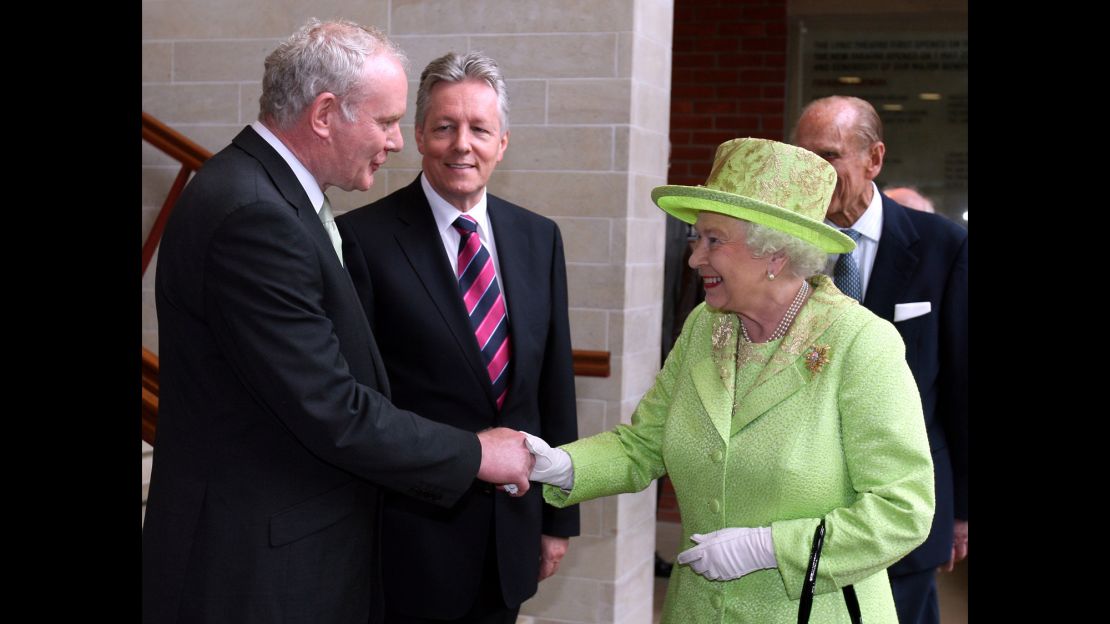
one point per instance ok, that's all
(513, 458)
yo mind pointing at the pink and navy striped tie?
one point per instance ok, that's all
(485, 305)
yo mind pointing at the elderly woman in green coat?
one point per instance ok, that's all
(783, 404)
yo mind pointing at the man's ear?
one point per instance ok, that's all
(323, 113)
(875, 159)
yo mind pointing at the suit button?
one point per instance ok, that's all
(717, 456)
(715, 600)
(714, 505)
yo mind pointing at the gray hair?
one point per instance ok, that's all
(806, 260)
(320, 57)
(453, 67)
(868, 128)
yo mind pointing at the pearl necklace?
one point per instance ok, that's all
(787, 318)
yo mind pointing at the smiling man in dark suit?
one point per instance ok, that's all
(909, 267)
(275, 426)
(468, 295)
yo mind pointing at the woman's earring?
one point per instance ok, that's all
(770, 276)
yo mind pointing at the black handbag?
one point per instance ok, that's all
(806, 603)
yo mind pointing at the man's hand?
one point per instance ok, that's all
(959, 546)
(552, 550)
(505, 459)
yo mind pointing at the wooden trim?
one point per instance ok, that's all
(174, 143)
(591, 363)
(150, 395)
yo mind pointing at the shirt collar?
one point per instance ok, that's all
(870, 223)
(304, 176)
(445, 214)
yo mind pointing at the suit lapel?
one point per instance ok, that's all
(894, 263)
(287, 184)
(714, 376)
(422, 246)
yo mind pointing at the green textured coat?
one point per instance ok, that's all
(843, 440)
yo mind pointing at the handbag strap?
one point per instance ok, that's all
(805, 605)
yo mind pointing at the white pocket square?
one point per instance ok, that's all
(905, 311)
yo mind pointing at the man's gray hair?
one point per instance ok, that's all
(320, 57)
(454, 67)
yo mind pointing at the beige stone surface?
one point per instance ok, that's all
(625, 54)
(651, 107)
(641, 206)
(249, 93)
(509, 16)
(607, 388)
(157, 61)
(654, 19)
(527, 102)
(589, 329)
(565, 148)
(620, 148)
(586, 239)
(212, 19)
(583, 194)
(644, 285)
(156, 183)
(648, 151)
(595, 285)
(422, 49)
(591, 416)
(651, 62)
(600, 101)
(192, 103)
(564, 598)
(222, 60)
(551, 55)
(645, 241)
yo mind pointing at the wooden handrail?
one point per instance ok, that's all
(192, 156)
(189, 154)
(173, 143)
(150, 395)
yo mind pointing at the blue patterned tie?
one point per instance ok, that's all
(846, 273)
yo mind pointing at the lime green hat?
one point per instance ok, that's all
(781, 186)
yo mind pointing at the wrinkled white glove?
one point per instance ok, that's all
(553, 465)
(730, 553)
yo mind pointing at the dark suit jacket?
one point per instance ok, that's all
(274, 414)
(923, 257)
(434, 556)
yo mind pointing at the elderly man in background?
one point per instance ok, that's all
(275, 427)
(910, 198)
(909, 267)
(468, 295)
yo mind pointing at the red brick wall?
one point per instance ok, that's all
(728, 79)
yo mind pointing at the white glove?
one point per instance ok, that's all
(553, 465)
(730, 553)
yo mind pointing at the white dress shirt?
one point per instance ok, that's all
(445, 215)
(870, 227)
(307, 180)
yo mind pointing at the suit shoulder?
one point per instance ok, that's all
(379, 212)
(935, 226)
